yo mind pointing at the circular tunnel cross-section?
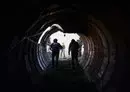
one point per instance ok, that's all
(98, 57)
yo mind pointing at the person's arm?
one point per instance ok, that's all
(60, 46)
(78, 45)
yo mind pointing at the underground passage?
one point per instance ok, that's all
(102, 58)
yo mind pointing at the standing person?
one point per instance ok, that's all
(63, 50)
(55, 48)
(73, 48)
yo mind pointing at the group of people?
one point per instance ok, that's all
(55, 47)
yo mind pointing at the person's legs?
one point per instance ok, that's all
(72, 55)
(64, 52)
(76, 58)
(53, 56)
(57, 58)
(61, 53)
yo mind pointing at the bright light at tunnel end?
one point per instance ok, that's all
(64, 39)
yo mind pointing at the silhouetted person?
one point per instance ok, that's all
(73, 48)
(55, 48)
(63, 50)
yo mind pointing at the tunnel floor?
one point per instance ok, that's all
(64, 78)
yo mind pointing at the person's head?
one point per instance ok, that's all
(55, 40)
(72, 40)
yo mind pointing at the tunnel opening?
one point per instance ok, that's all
(62, 38)
(65, 39)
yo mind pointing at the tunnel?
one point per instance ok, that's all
(103, 60)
